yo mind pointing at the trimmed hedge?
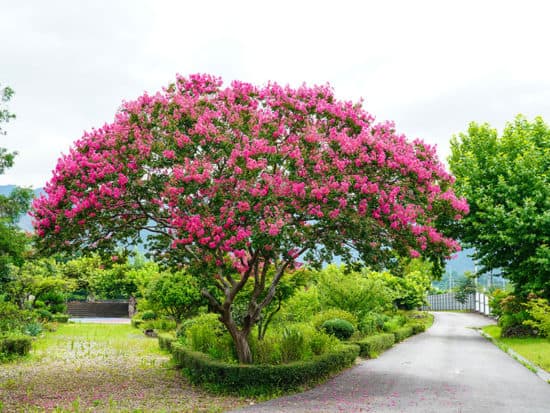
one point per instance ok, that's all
(374, 345)
(165, 341)
(200, 368)
(402, 333)
(418, 327)
(20, 345)
(136, 322)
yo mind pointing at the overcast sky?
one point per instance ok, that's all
(430, 66)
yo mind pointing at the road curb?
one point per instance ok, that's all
(543, 374)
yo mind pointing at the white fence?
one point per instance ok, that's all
(478, 302)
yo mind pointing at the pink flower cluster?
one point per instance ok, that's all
(245, 169)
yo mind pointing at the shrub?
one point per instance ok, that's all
(372, 346)
(136, 321)
(394, 323)
(61, 318)
(44, 314)
(200, 368)
(539, 310)
(331, 314)
(184, 326)
(302, 306)
(418, 327)
(162, 324)
(353, 291)
(15, 344)
(402, 333)
(267, 350)
(148, 315)
(165, 341)
(372, 323)
(321, 343)
(33, 329)
(14, 319)
(209, 336)
(341, 329)
(293, 345)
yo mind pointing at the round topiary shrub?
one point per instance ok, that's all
(341, 329)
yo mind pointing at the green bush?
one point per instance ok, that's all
(267, 350)
(165, 341)
(61, 318)
(374, 345)
(254, 379)
(136, 321)
(162, 324)
(148, 315)
(418, 327)
(293, 344)
(44, 314)
(539, 310)
(33, 329)
(339, 328)
(395, 322)
(372, 323)
(184, 326)
(331, 314)
(209, 336)
(15, 345)
(320, 342)
(13, 319)
(402, 333)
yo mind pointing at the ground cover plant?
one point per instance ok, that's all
(91, 367)
(534, 349)
(239, 183)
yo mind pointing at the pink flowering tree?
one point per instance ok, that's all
(236, 181)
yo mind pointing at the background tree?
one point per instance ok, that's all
(13, 242)
(175, 294)
(507, 183)
(240, 179)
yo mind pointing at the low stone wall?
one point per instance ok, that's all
(97, 309)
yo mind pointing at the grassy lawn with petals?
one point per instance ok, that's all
(103, 368)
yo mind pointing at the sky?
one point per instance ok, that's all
(432, 67)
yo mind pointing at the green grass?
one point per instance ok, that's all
(536, 350)
(98, 367)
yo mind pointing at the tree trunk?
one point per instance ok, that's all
(243, 348)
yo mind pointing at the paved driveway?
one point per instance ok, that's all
(450, 368)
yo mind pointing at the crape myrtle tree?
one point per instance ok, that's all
(234, 181)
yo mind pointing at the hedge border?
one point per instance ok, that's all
(19, 345)
(372, 346)
(165, 341)
(402, 333)
(202, 369)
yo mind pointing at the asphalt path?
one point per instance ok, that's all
(449, 368)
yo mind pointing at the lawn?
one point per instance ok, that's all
(97, 367)
(536, 350)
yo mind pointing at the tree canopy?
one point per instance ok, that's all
(231, 181)
(506, 180)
